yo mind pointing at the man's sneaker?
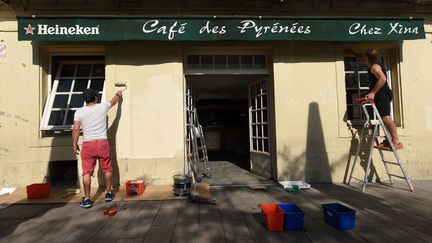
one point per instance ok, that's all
(86, 203)
(109, 196)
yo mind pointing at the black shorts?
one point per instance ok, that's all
(382, 102)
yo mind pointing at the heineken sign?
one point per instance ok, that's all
(213, 29)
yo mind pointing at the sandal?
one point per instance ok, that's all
(383, 145)
(399, 146)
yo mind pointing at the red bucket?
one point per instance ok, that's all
(38, 190)
(273, 216)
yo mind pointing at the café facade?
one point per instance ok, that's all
(273, 89)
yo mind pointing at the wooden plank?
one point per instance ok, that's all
(116, 225)
(129, 240)
(236, 229)
(166, 216)
(159, 234)
(19, 211)
(185, 237)
(189, 225)
(211, 233)
(138, 227)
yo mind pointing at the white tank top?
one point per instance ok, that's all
(93, 120)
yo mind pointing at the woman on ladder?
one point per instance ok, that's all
(380, 92)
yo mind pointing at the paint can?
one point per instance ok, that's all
(182, 185)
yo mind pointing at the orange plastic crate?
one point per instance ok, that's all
(38, 190)
(273, 216)
(134, 187)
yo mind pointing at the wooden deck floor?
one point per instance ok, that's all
(383, 214)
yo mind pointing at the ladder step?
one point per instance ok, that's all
(390, 162)
(398, 176)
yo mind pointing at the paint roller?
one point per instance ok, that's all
(122, 85)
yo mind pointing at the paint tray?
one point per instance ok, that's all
(289, 184)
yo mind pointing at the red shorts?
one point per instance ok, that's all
(93, 150)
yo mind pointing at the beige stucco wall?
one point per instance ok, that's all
(312, 142)
(147, 135)
(150, 135)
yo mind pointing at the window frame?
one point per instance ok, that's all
(52, 85)
(259, 114)
(386, 57)
(254, 68)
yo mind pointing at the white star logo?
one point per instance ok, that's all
(29, 29)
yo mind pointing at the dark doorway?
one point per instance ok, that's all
(223, 111)
(63, 173)
(226, 132)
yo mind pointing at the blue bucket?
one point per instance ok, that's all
(339, 215)
(294, 216)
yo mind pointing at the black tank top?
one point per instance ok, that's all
(373, 80)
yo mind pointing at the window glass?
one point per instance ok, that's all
(246, 61)
(98, 70)
(76, 101)
(67, 70)
(351, 80)
(60, 101)
(193, 61)
(83, 70)
(258, 102)
(364, 80)
(259, 61)
(350, 63)
(97, 84)
(220, 61)
(80, 85)
(207, 61)
(265, 130)
(233, 61)
(253, 101)
(69, 118)
(259, 143)
(266, 145)
(211, 61)
(64, 85)
(56, 118)
(265, 115)
(66, 94)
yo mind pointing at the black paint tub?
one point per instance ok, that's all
(182, 185)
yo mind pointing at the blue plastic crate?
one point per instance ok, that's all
(294, 216)
(339, 215)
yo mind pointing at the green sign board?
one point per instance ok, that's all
(213, 29)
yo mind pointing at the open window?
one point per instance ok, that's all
(357, 85)
(71, 75)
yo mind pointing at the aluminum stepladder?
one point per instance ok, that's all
(374, 139)
(198, 151)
